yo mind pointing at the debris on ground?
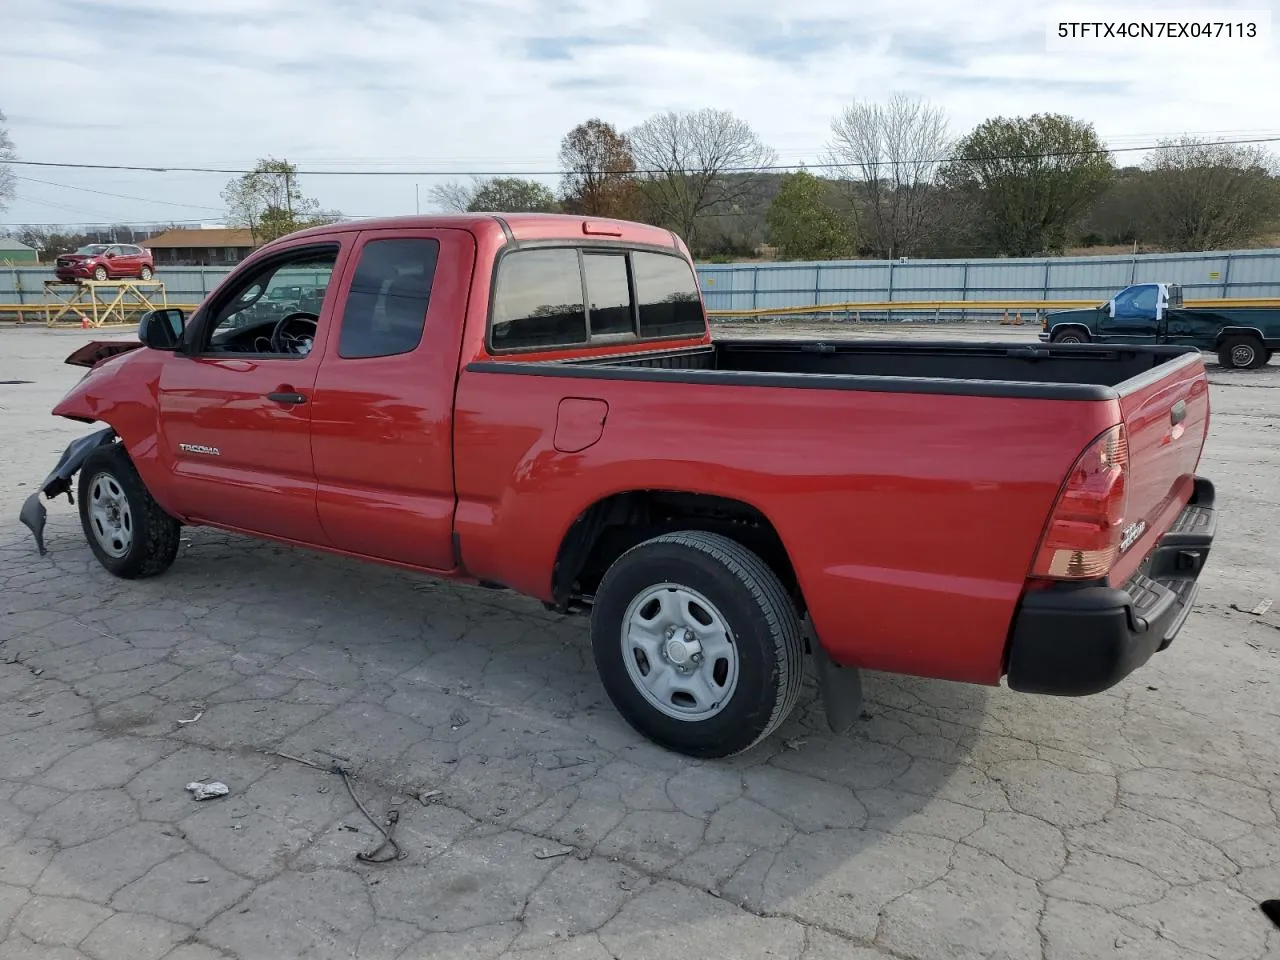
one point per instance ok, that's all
(427, 796)
(552, 854)
(198, 880)
(207, 791)
(193, 719)
(459, 720)
(1261, 607)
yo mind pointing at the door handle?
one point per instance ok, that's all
(286, 397)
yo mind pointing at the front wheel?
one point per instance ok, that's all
(99, 273)
(147, 273)
(1242, 352)
(1071, 336)
(128, 532)
(697, 644)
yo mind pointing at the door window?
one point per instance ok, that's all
(386, 309)
(1138, 303)
(247, 318)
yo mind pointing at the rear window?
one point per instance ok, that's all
(609, 291)
(667, 291)
(538, 300)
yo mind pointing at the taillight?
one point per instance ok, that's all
(1083, 538)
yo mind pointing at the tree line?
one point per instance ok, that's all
(894, 182)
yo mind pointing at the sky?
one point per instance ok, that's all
(441, 86)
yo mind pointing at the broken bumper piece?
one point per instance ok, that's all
(58, 482)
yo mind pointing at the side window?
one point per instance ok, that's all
(386, 309)
(1138, 303)
(245, 317)
(667, 291)
(609, 293)
(538, 300)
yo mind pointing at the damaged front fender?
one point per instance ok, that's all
(58, 482)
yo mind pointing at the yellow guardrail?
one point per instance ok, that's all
(22, 311)
(983, 305)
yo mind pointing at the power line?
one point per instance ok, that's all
(119, 196)
(767, 168)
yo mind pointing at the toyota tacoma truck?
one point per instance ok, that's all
(1242, 336)
(536, 403)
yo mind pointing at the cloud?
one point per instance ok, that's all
(495, 84)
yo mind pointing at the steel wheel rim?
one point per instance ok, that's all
(1069, 338)
(1242, 354)
(110, 518)
(679, 652)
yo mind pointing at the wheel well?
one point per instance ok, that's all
(1251, 333)
(610, 527)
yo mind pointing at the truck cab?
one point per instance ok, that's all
(1134, 315)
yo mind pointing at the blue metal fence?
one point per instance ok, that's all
(752, 286)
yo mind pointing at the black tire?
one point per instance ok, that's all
(1242, 352)
(147, 273)
(143, 540)
(763, 627)
(100, 273)
(1070, 336)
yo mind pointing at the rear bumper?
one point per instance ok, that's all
(1073, 641)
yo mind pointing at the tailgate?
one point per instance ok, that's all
(1166, 417)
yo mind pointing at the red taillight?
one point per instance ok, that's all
(1085, 530)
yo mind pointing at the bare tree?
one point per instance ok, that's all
(692, 163)
(7, 153)
(454, 196)
(889, 156)
(1206, 196)
(597, 164)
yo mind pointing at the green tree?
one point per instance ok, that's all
(512, 195)
(1208, 196)
(803, 223)
(269, 202)
(1032, 177)
(7, 153)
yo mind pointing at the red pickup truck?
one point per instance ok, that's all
(535, 402)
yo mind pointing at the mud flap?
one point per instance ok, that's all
(841, 688)
(58, 482)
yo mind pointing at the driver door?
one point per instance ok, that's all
(1134, 317)
(235, 401)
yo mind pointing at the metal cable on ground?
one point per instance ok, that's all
(392, 819)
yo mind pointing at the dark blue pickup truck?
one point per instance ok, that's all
(1241, 336)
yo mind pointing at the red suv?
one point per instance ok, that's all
(106, 261)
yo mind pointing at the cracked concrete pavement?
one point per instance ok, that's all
(952, 822)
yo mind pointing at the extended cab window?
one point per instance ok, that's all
(386, 309)
(667, 291)
(538, 300)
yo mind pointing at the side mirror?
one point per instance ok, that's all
(1111, 309)
(162, 329)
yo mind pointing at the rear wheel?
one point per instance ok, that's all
(697, 644)
(1242, 352)
(1070, 336)
(128, 532)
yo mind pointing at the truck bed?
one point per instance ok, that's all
(1059, 372)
